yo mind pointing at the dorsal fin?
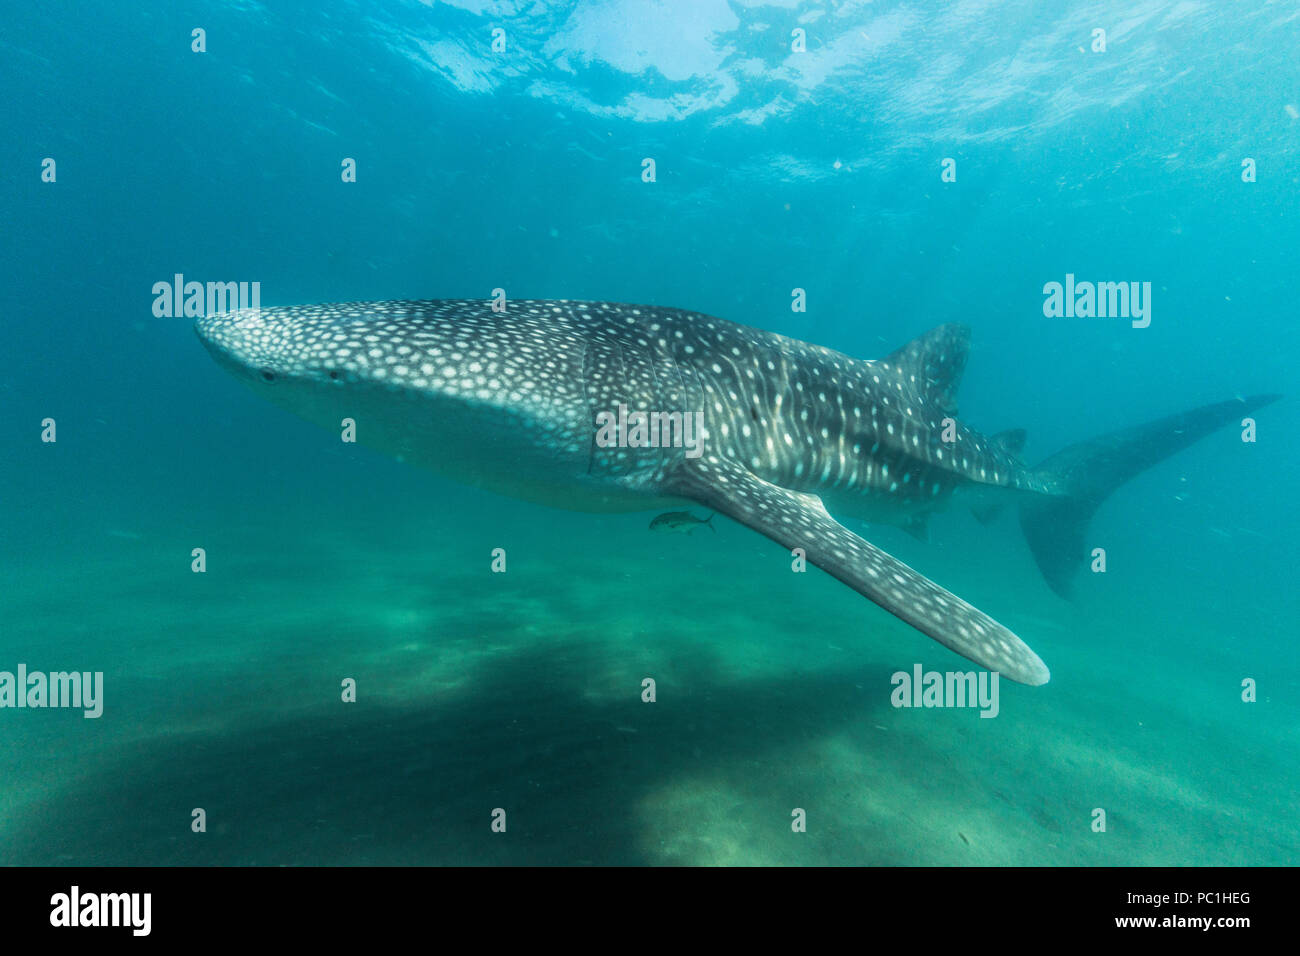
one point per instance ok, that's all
(937, 359)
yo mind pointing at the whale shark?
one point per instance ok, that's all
(587, 405)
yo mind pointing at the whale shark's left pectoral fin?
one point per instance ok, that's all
(798, 520)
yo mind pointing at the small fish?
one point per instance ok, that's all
(682, 521)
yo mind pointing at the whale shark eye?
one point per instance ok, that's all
(334, 376)
(268, 375)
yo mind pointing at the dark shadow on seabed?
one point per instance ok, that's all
(522, 693)
(368, 784)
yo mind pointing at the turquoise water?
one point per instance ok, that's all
(775, 170)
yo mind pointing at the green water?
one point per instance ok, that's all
(522, 690)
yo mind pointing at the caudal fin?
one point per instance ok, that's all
(1085, 474)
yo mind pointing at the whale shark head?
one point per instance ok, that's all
(305, 359)
(275, 347)
(445, 384)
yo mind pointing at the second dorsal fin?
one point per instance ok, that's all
(937, 359)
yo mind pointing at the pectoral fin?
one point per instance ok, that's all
(798, 520)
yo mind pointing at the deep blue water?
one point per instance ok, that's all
(775, 170)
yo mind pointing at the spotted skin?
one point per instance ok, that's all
(798, 415)
(509, 401)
